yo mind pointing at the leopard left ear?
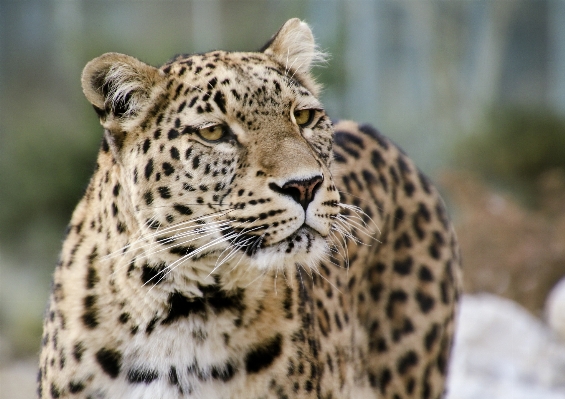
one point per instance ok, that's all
(294, 47)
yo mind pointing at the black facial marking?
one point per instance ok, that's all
(146, 145)
(263, 355)
(164, 192)
(183, 210)
(148, 197)
(149, 169)
(220, 101)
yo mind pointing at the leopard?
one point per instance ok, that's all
(236, 242)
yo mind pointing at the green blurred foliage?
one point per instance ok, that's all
(514, 146)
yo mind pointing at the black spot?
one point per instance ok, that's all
(124, 317)
(116, 190)
(183, 210)
(223, 373)
(181, 306)
(153, 274)
(173, 376)
(425, 274)
(220, 101)
(374, 134)
(376, 291)
(146, 145)
(431, 337)
(182, 250)
(425, 301)
(164, 192)
(78, 350)
(173, 134)
(403, 165)
(148, 197)
(151, 325)
(346, 141)
(55, 391)
(403, 241)
(263, 355)
(385, 379)
(339, 158)
(403, 267)
(90, 315)
(195, 162)
(175, 153)
(149, 169)
(110, 360)
(168, 169)
(91, 277)
(76, 387)
(377, 159)
(405, 362)
(138, 376)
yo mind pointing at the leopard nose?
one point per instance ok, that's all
(302, 191)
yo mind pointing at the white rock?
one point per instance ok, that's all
(555, 309)
(503, 352)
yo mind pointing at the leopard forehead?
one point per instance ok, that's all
(239, 88)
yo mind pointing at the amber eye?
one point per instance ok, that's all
(303, 117)
(212, 133)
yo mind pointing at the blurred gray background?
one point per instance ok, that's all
(474, 91)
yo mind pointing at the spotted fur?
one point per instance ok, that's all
(234, 243)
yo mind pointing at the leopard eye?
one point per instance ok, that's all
(212, 133)
(303, 117)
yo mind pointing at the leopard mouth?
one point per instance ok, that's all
(252, 243)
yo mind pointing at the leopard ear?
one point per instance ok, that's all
(294, 47)
(118, 85)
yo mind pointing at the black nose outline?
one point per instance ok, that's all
(302, 191)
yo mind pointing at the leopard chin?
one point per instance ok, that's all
(305, 247)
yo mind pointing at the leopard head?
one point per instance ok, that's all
(223, 155)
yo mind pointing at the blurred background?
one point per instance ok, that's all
(474, 91)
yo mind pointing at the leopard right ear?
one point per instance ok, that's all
(117, 85)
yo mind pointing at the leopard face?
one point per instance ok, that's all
(220, 159)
